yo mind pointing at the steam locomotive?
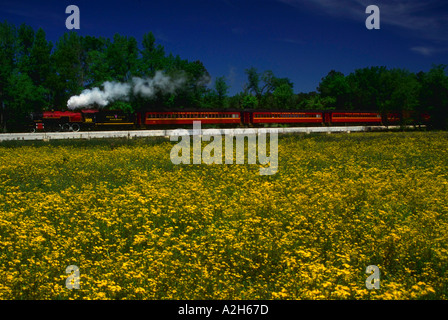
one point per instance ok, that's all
(93, 119)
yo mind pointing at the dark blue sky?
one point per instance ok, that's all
(301, 40)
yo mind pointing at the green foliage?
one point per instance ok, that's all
(123, 106)
(249, 102)
(283, 94)
(335, 89)
(434, 95)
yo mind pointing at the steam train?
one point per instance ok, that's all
(93, 119)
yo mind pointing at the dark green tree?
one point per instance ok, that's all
(334, 90)
(283, 95)
(69, 69)
(434, 95)
(8, 51)
(122, 58)
(221, 89)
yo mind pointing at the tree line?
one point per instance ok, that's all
(37, 75)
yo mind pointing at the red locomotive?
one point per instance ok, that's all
(105, 119)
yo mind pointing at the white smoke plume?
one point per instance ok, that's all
(112, 91)
(148, 87)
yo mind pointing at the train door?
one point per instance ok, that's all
(247, 118)
(327, 118)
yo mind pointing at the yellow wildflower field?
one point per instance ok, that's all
(139, 227)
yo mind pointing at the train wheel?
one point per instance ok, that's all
(75, 127)
(65, 127)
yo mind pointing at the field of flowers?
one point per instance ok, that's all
(140, 227)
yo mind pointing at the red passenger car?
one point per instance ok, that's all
(187, 117)
(283, 117)
(392, 118)
(355, 117)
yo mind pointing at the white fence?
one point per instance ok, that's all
(46, 136)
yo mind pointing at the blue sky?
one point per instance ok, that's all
(301, 40)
